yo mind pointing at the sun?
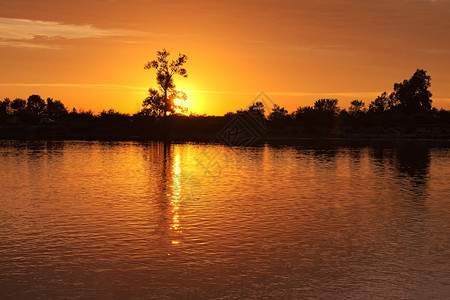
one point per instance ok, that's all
(178, 102)
(182, 105)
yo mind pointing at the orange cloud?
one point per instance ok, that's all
(21, 32)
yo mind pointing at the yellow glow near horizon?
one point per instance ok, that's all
(190, 106)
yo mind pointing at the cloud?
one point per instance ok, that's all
(22, 32)
(20, 44)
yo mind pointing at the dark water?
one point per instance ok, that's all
(92, 220)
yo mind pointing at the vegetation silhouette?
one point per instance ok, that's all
(405, 113)
(412, 95)
(257, 106)
(162, 100)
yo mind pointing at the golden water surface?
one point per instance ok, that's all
(103, 220)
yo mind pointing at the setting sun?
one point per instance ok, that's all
(180, 103)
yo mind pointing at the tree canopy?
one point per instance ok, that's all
(257, 106)
(35, 104)
(278, 113)
(412, 94)
(357, 107)
(55, 109)
(162, 99)
(380, 104)
(328, 105)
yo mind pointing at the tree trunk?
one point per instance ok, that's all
(165, 103)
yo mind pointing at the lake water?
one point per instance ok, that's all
(111, 220)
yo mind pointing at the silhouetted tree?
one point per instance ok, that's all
(329, 105)
(161, 100)
(18, 104)
(308, 117)
(154, 104)
(302, 111)
(35, 104)
(278, 113)
(380, 104)
(356, 108)
(257, 106)
(4, 109)
(412, 94)
(5, 106)
(56, 109)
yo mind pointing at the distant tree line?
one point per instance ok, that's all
(407, 109)
(408, 105)
(34, 109)
(31, 110)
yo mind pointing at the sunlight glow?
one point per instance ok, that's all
(183, 106)
(179, 102)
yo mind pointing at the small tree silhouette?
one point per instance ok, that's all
(257, 106)
(5, 106)
(278, 113)
(35, 104)
(161, 100)
(412, 94)
(356, 107)
(56, 109)
(18, 104)
(327, 105)
(380, 104)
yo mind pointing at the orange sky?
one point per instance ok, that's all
(90, 54)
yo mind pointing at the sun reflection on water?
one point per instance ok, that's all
(175, 197)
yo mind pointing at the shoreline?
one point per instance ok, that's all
(59, 133)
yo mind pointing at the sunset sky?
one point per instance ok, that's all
(90, 54)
